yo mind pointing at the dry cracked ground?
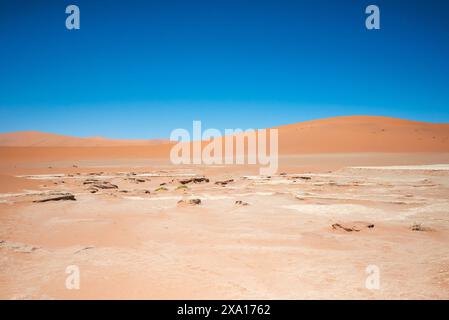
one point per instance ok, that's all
(202, 233)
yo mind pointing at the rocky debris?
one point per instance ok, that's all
(302, 177)
(104, 185)
(192, 202)
(92, 190)
(95, 173)
(66, 196)
(146, 191)
(194, 180)
(416, 227)
(163, 184)
(18, 247)
(241, 203)
(137, 180)
(419, 227)
(91, 181)
(336, 226)
(282, 174)
(357, 227)
(224, 182)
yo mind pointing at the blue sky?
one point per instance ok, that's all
(139, 69)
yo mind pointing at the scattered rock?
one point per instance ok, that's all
(91, 181)
(224, 182)
(67, 196)
(357, 227)
(136, 180)
(95, 173)
(302, 177)
(336, 226)
(241, 203)
(163, 184)
(192, 202)
(105, 185)
(194, 180)
(419, 227)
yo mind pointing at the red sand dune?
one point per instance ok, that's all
(42, 139)
(340, 134)
(363, 134)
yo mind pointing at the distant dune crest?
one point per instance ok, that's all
(339, 134)
(42, 139)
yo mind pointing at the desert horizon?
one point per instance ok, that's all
(349, 193)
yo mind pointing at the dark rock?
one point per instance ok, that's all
(90, 181)
(357, 226)
(336, 226)
(224, 182)
(194, 180)
(190, 202)
(67, 196)
(419, 227)
(105, 185)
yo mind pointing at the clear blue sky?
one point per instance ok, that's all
(138, 69)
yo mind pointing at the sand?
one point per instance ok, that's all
(285, 239)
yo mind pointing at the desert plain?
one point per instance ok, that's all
(350, 193)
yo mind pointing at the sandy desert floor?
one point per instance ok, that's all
(308, 232)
